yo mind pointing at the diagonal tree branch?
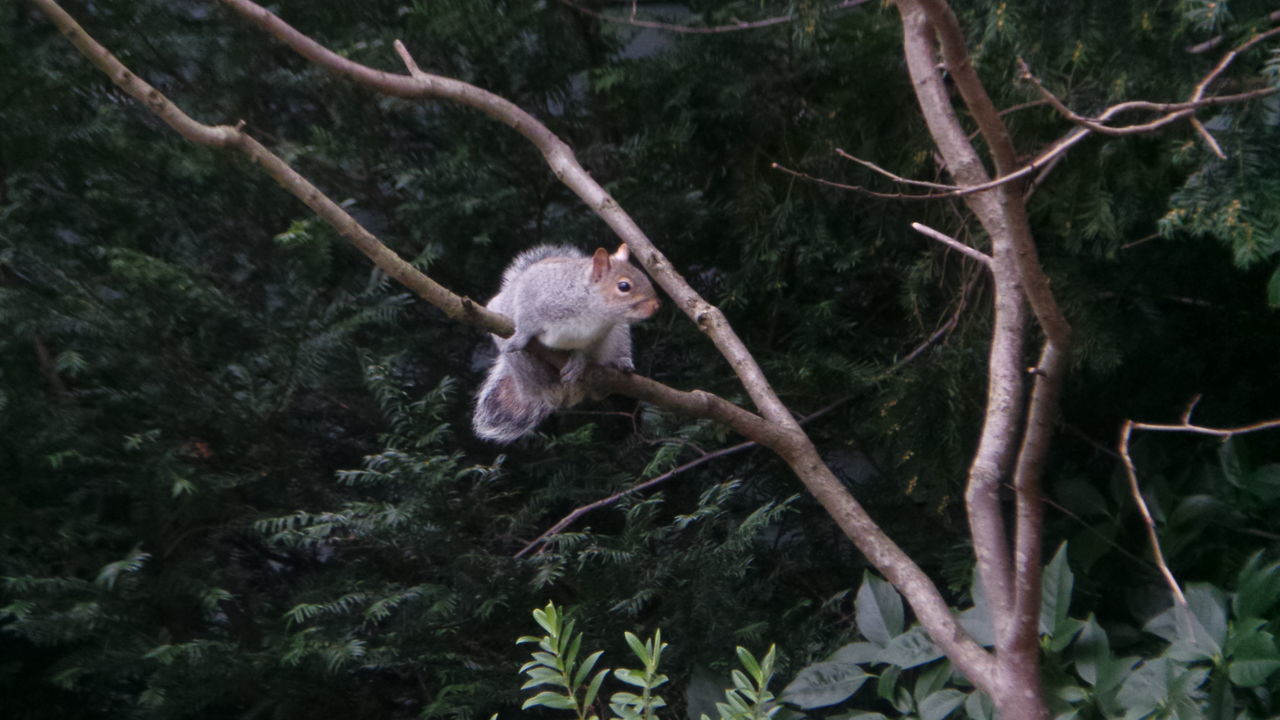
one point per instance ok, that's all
(455, 306)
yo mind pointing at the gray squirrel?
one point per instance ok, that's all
(566, 301)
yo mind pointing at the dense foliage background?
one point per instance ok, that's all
(236, 471)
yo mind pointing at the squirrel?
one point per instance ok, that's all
(566, 301)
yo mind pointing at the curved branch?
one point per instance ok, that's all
(1172, 111)
(1131, 473)
(693, 29)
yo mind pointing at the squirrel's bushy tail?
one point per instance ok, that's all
(519, 392)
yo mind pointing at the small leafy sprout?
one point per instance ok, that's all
(749, 698)
(555, 664)
(628, 705)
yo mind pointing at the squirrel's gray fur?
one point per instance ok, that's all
(567, 301)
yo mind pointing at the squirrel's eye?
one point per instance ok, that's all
(624, 286)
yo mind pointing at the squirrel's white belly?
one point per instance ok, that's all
(572, 334)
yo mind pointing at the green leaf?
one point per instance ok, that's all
(887, 685)
(548, 699)
(594, 688)
(878, 610)
(585, 668)
(1196, 631)
(823, 684)
(859, 652)
(1257, 588)
(1254, 657)
(1055, 591)
(979, 707)
(1273, 288)
(940, 704)
(749, 662)
(1264, 482)
(637, 646)
(910, 649)
(548, 619)
(1229, 461)
(931, 681)
(630, 677)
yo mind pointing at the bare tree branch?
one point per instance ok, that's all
(1172, 111)
(951, 242)
(693, 29)
(1185, 425)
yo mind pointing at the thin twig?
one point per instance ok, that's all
(1172, 111)
(1208, 139)
(568, 520)
(692, 29)
(951, 242)
(1139, 241)
(858, 188)
(893, 177)
(1184, 425)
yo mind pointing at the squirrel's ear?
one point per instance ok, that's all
(599, 264)
(622, 254)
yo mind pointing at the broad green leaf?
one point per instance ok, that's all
(1196, 631)
(1273, 289)
(979, 707)
(823, 684)
(1063, 633)
(1055, 591)
(1265, 482)
(887, 685)
(858, 652)
(940, 704)
(878, 610)
(910, 649)
(1092, 651)
(976, 622)
(1257, 588)
(1254, 657)
(931, 681)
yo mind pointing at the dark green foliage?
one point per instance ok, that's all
(236, 474)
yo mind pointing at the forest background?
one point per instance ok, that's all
(236, 471)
